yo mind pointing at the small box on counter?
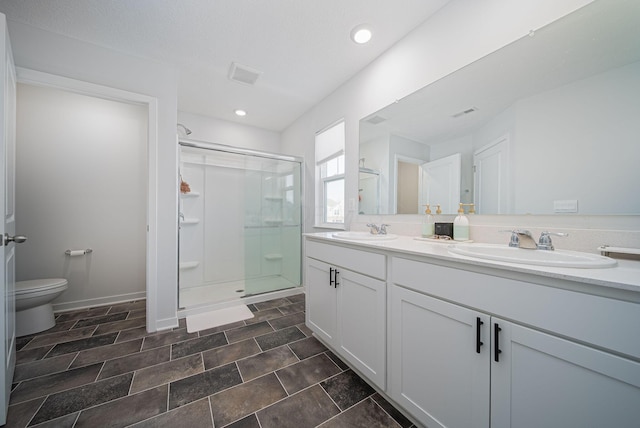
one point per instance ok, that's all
(444, 229)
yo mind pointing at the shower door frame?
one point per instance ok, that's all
(205, 145)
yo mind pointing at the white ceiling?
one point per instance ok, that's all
(302, 47)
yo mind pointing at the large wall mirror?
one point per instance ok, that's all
(548, 124)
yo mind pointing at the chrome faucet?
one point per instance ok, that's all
(375, 230)
(544, 243)
(522, 239)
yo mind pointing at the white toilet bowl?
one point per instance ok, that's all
(34, 312)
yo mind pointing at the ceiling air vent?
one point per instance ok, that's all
(375, 119)
(464, 112)
(243, 74)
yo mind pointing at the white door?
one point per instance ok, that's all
(440, 183)
(490, 164)
(439, 360)
(322, 315)
(542, 381)
(7, 232)
(362, 323)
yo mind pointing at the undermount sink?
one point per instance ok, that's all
(363, 236)
(555, 258)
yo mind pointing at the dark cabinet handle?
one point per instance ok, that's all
(479, 343)
(496, 342)
(335, 278)
(331, 277)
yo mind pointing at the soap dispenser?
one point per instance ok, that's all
(428, 223)
(461, 226)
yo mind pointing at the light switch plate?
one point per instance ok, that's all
(565, 206)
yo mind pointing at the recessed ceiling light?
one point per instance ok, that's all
(240, 112)
(361, 34)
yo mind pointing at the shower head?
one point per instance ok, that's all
(186, 130)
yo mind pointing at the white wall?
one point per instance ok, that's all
(230, 133)
(55, 54)
(571, 123)
(68, 195)
(460, 33)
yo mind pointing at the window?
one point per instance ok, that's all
(330, 201)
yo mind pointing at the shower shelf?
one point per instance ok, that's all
(190, 195)
(188, 265)
(272, 222)
(273, 256)
(190, 221)
(273, 198)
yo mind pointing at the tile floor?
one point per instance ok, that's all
(100, 368)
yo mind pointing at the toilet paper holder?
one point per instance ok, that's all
(73, 253)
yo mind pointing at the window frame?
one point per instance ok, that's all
(321, 181)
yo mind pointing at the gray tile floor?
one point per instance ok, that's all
(100, 368)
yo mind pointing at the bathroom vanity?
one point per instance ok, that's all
(462, 342)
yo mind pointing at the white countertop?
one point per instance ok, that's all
(624, 276)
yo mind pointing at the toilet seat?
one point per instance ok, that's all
(36, 285)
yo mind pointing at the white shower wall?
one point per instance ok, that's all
(199, 239)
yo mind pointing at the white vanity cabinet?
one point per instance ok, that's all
(436, 372)
(473, 350)
(346, 305)
(543, 380)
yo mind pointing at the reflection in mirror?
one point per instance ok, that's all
(369, 191)
(548, 124)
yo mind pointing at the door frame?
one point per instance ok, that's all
(397, 158)
(37, 78)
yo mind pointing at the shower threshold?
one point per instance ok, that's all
(231, 290)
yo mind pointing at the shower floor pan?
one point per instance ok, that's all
(226, 291)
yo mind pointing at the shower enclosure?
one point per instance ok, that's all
(240, 223)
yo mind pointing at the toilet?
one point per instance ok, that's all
(34, 312)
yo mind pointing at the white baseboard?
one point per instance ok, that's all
(100, 301)
(164, 324)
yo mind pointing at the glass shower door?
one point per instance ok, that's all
(240, 225)
(273, 229)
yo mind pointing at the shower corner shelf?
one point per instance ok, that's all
(273, 256)
(190, 194)
(190, 221)
(188, 265)
(273, 198)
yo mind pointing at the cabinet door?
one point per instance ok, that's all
(362, 324)
(321, 299)
(545, 381)
(436, 373)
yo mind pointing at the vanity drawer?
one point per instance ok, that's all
(364, 262)
(607, 323)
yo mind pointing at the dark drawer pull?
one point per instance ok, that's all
(479, 343)
(496, 342)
